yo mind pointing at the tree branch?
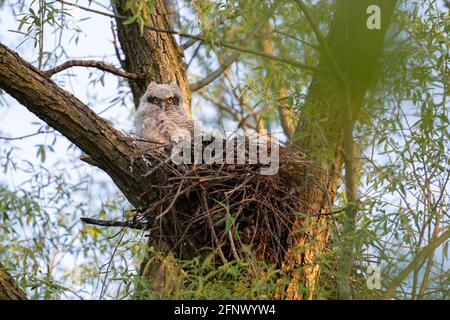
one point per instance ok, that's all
(114, 152)
(76, 5)
(116, 46)
(93, 64)
(397, 281)
(109, 223)
(200, 37)
(26, 136)
(191, 41)
(216, 73)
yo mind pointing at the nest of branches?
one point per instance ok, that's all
(230, 208)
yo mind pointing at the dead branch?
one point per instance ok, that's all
(93, 64)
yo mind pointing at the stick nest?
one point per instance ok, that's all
(230, 208)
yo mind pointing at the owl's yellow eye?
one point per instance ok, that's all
(170, 101)
(153, 100)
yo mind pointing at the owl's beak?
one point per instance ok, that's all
(162, 106)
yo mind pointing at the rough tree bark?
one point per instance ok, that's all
(154, 54)
(8, 288)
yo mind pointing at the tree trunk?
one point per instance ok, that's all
(154, 54)
(157, 56)
(349, 68)
(8, 288)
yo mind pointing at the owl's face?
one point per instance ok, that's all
(163, 97)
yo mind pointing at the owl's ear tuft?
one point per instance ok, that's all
(176, 88)
(152, 84)
(174, 84)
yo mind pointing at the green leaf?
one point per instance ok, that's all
(228, 222)
(131, 20)
(41, 153)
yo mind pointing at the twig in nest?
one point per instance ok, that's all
(213, 232)
(263, 208)
(109, 223)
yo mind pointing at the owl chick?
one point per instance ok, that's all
(161, 118)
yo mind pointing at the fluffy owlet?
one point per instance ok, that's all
(161, 118)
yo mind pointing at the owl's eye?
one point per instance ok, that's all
(153, 100)
(170, 101)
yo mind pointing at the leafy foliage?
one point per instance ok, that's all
(402, 138)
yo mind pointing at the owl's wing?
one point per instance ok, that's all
(182, 121)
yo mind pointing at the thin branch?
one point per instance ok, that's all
(296, 39)
(201, 38)
(102, 13)
(109, 223)
(26, 136)
(397, 281)
(41, 32)
(116, 45)
(257, 53)
(197, 50)
(216, 73)
(93, 64)
(191, 41)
